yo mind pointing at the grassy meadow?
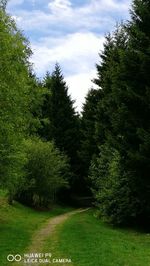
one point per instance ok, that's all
(82, 238)
(17, 225)
(90, 242)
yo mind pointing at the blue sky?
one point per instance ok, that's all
(70, 32)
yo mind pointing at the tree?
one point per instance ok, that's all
(107, 170)
(3, 4)
(37, 97)
(88, 147)
(137, 65)
(62, 125)
(124, 120)
(15, 101)
(47, 171)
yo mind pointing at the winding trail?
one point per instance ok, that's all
(49, 229)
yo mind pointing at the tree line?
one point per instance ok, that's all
(48, 150)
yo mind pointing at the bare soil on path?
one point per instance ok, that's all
(49, 229)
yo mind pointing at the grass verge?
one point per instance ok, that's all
(17, 225)
(90, 242)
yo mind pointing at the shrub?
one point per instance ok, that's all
(111, 188)
(47, 171)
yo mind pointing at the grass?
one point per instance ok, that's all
(90, 242)
(83, 238)
(17, 225)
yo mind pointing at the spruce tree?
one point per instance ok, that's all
(88, 146)
(62, 124)
(137, 69)
(123, 122)
(107, 171)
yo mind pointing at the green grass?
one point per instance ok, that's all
(90, 242)
(17, 225)
(83, 238)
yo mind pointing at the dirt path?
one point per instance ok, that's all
(48, 230)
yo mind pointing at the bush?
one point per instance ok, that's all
(47, 171)
(111, 188)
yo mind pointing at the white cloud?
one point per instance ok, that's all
(16, 18)
(75, 52)
(110, 5)
(79, 85)
(62, 14)
(90, 7)
(56, 5)
(71, 35)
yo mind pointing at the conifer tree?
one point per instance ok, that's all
(62, 121)
(137, 81)
(122, 185)
(88, 147)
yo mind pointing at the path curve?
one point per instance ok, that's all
(49, 229)
(40, 236)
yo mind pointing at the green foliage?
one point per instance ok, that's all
(61, 123)
(14, 101)
(95, 243)
(88, 147)
(115, 119)
(111, 187)
(47, 171)
(58, 108)
(37, 97)
(18, 224)
(21, 97)
(122, 120)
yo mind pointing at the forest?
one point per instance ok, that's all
(49, 153)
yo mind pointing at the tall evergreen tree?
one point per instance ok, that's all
(137, 80)
(122, 188)
(62, 121)
(106, 172)
(88, 147)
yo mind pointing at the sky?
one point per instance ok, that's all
(70, 32)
